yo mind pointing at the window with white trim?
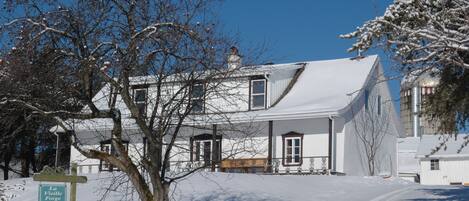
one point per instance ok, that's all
(292, 149)
(258, 97)
(197, 98)
(434, 164)
(203, 149)
(140, 99)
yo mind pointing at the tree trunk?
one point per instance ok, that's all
(6, 167)
(162, 194)
(24, 158)
(371, 167)
(31, 152)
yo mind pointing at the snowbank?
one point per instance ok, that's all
(233, 187)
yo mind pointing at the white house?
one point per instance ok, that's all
(300, 118)
(441, 162)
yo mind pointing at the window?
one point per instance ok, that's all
(107, 147)
(434, 164)
(367, 96)
(105, 166)
(198, 98)
(292, 149)
(140, 98)
(258, 94)
(202, 148)
(379, 104)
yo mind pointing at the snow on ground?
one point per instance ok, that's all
(249, 187)
(423, 193)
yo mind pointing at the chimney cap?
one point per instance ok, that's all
(234, 50)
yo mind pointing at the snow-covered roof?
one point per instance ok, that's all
(244, 71)
(451, 146)
(408, 144)
(323, 89)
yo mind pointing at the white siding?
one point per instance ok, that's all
(315, 141)
(451, 170)
(355, 162)
(86, 165)
(230, 96)
(340, 152)
(279, 81)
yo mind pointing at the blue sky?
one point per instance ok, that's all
(302, 30)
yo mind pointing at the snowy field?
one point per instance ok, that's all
(249, 187)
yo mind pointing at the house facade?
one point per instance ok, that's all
(283, 118)
(443, 160)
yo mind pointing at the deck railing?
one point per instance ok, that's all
(310, 165)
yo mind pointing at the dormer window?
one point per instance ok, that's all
(140, 99)
(258, 98)
(197, 98)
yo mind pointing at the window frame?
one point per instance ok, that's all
(145, 102)
(292, 136)
(103, 165)
(434, 164)
(201, 98)
(252, 94)
(201, 139)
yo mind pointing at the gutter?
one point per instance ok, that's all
(442, 156)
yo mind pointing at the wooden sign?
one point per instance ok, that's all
(49, 174)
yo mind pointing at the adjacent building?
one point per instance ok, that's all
(416, 87)
(443, 159)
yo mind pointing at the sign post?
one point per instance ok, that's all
(55, 192)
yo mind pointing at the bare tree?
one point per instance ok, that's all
(172, 45)
(371, 126)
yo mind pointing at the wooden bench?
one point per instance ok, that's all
(249, 165)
